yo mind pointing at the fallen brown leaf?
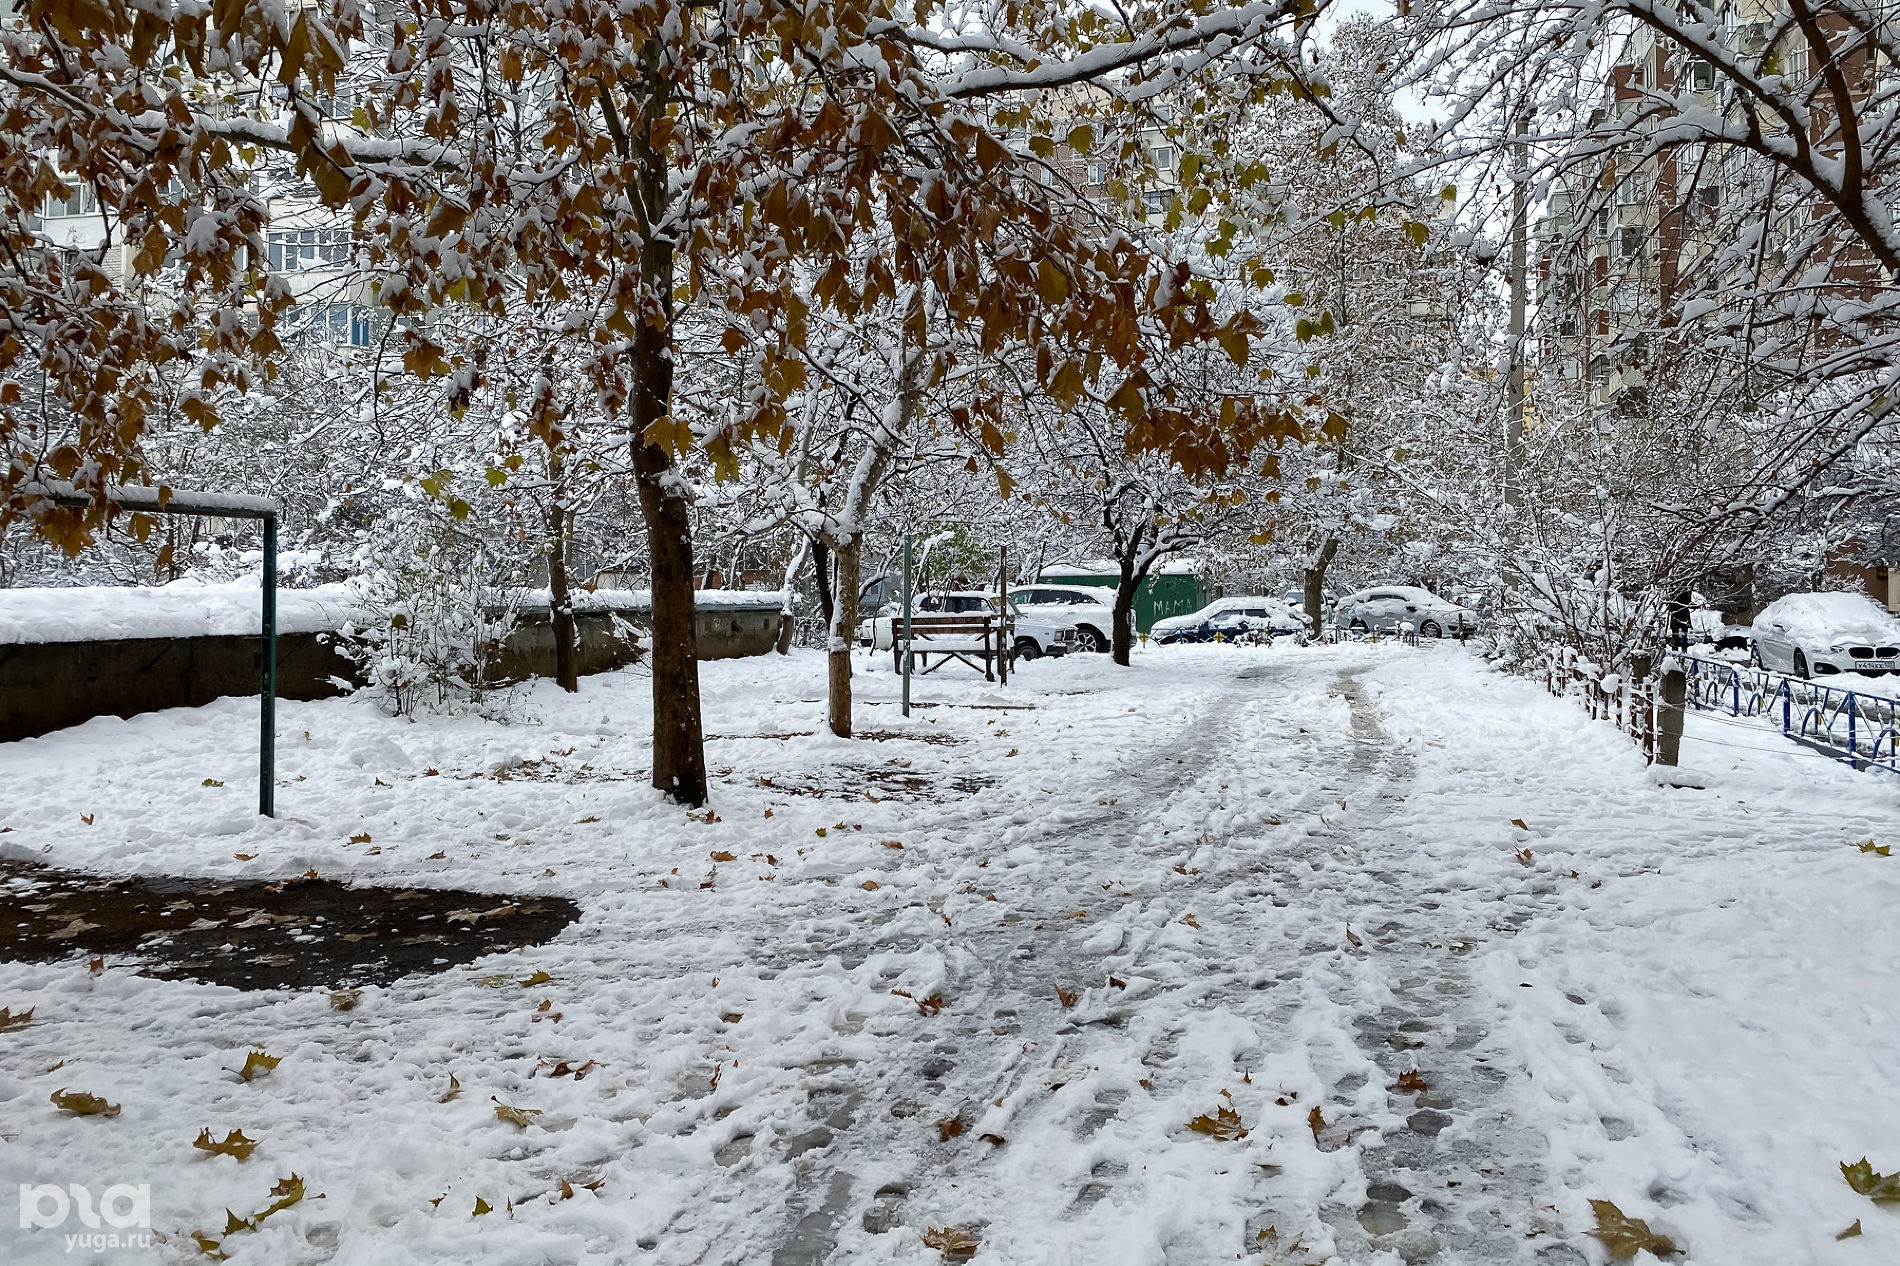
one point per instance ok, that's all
(1225, 1124)
(1625, 1236)
(956, 1243)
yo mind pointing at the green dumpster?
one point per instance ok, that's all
(1175, 591)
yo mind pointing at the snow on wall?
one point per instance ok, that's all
(96, 613)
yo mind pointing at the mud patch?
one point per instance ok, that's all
(292, 934)
(893, 782)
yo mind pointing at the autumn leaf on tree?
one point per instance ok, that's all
(83, 1105)
(1877, 1187)
(234, 1144)
(1625, 1236)
(1225, 1124)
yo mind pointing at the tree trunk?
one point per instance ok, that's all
(560, 603)
(788, 612)
(844, 627)
(1315, 596)
(821, 577)
(679, 752)
(1124, 641)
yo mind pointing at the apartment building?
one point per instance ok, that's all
(1629, 237)
(306, 244)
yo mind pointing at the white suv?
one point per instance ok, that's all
(1089, 610)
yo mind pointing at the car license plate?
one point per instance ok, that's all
(1871, 665)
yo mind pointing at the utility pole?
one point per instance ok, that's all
(1002, 612)
(904, 648)
(1520, 261)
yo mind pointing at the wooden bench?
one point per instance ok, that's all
(949, 637)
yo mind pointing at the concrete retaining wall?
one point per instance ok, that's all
(46, 686)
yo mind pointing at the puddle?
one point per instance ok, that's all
(290, 934)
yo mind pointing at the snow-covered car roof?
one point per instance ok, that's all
(1832, 616)
(1219, 605)
(1411, 593)
(1094, 593)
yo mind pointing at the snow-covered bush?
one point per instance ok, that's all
(439, 600)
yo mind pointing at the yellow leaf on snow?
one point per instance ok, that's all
(84, 1105)
(234, 1144)
(258, 1063)
(523, 1117)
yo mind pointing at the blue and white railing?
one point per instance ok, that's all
(1859, 728)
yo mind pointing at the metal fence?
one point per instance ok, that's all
(1861, 729)
(1628, 704)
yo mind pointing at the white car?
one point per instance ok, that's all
(1087, 609)
(1033, 637)
(1384, 608)
(1272, 613)
(1820, 634)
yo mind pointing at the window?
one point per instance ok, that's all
(1098, 173)
(82, 202)
(1700, 76)
(294, 250)
(1162, 156)
(1629, 243)
(336, 323)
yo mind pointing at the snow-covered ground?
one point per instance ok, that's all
(980, 969)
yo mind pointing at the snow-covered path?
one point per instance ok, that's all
(979, 972)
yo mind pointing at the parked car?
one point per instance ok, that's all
(1234, 626)
(1269, 613)
(1384, 608)
(1820, 634)
(1087, 609)
(1033, 636)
